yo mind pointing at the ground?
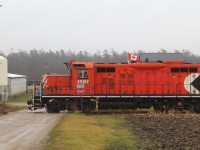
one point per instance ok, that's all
(24, 129)
(166, 131)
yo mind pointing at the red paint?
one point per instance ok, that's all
(127, 79)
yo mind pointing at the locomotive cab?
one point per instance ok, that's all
(82, 78)
(82, 85)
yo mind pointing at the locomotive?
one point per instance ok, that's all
(89, 86)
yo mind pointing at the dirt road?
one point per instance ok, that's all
(26, 130)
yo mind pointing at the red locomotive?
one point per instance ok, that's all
(163, 85)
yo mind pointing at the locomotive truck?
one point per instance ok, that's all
(89, 86)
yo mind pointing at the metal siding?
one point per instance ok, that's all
(17, 86)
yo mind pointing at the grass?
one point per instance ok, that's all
(92, 132)
(22, 99)
(10, 106)
(5, 108)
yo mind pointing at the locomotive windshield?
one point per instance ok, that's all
(82, 73)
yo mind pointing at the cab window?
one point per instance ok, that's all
(82, 73)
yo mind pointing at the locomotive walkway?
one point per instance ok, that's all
(24, 129)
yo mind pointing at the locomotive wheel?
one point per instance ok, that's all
(48, 108)
(158, 106)
(73, 107)
(53, 106)
(86, 106)
(191, 108)
(166, 105)
(161, 106)
(196, 108)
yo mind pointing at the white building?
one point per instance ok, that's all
(16, 84)
(3, 78)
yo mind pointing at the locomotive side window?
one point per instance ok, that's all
(78, 65)
(192, 69)
(174, 69)
(82, 74)
(100, 69)
(109, 69)
(184, 69)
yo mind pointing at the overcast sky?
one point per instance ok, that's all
(92, 25)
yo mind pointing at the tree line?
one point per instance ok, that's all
(34, 63)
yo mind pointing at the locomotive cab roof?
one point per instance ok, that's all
(80, 65)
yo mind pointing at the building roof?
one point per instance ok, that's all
(152, 57)
(10, 75)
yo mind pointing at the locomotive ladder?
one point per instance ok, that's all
(37, 104)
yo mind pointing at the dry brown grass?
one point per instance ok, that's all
(5, 108)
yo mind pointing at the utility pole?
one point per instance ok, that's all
(45, 68)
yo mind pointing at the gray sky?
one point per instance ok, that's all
(91, 25)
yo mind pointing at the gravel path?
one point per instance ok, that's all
(26, 130)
